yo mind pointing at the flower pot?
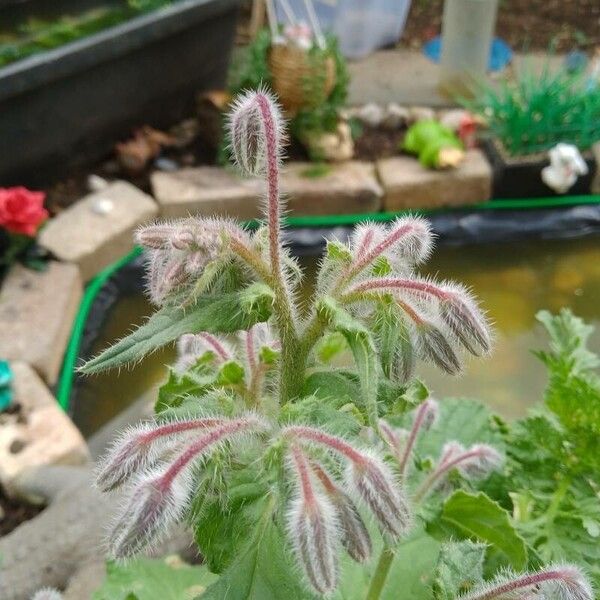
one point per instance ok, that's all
(521, 177)
(66, 108)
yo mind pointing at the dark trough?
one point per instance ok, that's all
(522, 177)
(65, 108)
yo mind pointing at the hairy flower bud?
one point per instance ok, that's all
(463, 318)
(435, 347)
(192, 346)
(480, 460)
(160, 498)
(560, 582)
(355, 535)
(312, 529)
(374, 484)
(248, 134)
(139, 446)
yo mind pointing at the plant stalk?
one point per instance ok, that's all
(381, 572)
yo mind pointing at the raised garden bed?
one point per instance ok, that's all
(66, 107)
(520, 177)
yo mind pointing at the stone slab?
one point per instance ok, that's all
(206, 191)
(40, 434)
(349, 187)
(37, 310)
(407, 184)
(98, 229)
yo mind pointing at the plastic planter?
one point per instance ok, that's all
(521, 177)
(65, 108)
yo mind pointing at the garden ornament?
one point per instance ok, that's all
(566, 165)
(436, 146)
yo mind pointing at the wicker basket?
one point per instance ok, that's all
(299, 80)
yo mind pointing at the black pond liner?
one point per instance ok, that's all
(65, 108)
(451, 228)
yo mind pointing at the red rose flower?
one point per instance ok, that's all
(21, 210)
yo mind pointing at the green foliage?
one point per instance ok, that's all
(552, 481)
(37, 35)
(535, 112)
(477, 518)
(225, 313)
(154, 579)
(459, 568)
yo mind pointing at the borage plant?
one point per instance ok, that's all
(301, 479)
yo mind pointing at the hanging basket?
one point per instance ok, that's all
(299, 79)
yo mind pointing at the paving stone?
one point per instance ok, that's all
(348, 187)
(98, 229)
(37, 310)
(344, 188)
(407, 184)
(206, 191)
(40, 434)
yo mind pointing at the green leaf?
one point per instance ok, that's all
(262, 571)
(154, 579)
(335, 383)
(330, 346)
(410, 575)
(224, 313)
(476, 517)
(230, 373)
(459, 568)
(363, 350)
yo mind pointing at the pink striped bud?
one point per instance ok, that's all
(156, 237)
(465, 320)
(248, 133)
(434, 347)
(190, 347)
(140, 446)
(312, 529)
(375, 485)
(480, 461)
(355, 535)
(159, 499)
(425, 416)
(563, 582)
(368, 476)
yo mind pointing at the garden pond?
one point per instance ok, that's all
(513, 282)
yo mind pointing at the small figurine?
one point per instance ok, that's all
(566, 165)
(437, 146)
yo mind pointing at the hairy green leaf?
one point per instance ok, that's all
(361, 344)
(215, 314)
(459, 568)
(154, 579)
(476, 517)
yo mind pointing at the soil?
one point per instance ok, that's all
(525, 25)
(14, 512)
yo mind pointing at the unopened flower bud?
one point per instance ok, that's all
(255, 122)
(464, 319)
(312, 530)
(560, 582)
(436, 348)
(376, 487)
(480, 462)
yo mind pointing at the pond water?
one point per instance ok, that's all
(513, 282)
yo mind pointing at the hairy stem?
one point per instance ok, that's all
(381, 572)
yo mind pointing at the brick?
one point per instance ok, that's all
(408, 184)
(93, 239)
(41, 434)
(37, 310)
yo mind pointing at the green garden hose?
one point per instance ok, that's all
(65, 383)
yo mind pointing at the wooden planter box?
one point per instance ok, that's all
(66, 107)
